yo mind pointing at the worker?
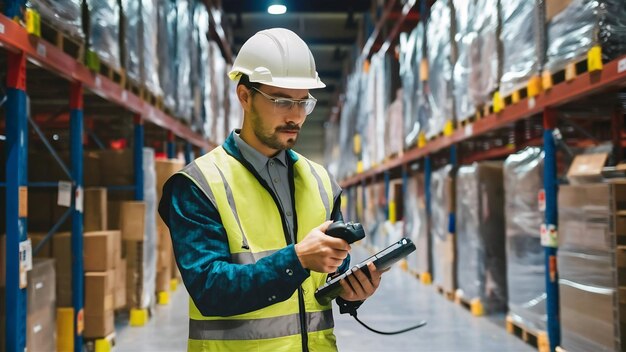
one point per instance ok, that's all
(248, 219)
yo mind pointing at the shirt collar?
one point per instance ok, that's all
(254, 157)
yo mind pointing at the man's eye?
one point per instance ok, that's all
(283, 103)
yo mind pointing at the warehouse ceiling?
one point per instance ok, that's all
(331, 28)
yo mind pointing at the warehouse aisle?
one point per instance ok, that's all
(401, 301)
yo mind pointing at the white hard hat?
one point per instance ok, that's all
(277, 57)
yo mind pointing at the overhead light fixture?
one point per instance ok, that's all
(276, 9)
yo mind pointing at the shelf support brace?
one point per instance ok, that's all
(549, 234)
(188, 153)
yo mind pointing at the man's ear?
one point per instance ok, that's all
(244, 96)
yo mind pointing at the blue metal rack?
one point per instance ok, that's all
(138, 157)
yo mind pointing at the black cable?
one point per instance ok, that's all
(422, 323)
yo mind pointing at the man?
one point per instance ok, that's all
(248, 219)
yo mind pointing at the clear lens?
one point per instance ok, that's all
(285, 105)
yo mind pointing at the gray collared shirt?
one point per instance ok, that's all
(274, 172)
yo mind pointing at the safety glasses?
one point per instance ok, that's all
(285, 105)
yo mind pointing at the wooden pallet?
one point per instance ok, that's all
(449, 295)
(151, 98)
(104, 344)
(537, 339)
(425, 277)
(592, 62)
(116, 75)
(134, 87)
(474, 306)
(72, 46)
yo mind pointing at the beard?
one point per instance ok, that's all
(272, 138)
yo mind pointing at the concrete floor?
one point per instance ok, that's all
(401, 301)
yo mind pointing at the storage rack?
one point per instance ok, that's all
(609, 77)
(28, 54)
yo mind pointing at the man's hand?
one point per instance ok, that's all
(320, 252)
(358, 287)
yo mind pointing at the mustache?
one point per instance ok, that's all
(288, 128)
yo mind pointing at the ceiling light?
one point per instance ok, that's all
(276, 9)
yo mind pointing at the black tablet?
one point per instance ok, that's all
(382, 260)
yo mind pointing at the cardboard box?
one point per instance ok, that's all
(119, 299)
(62, 254)
(117, 247)
(554, 7)
(588, 315)
(99, 250)
(116, 167)
(41, 328)
(46, 250)
(91, 169)
(164, 170)
(97, 326)
(41, 293)
(132, 220)
(134, 273)
(99, 289)
(587, 168)
(95, 206)
(163, 278)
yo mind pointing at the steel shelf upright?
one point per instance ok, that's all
(16, 200)
(76, 155)
(188, 153)
(549, 231)
(171, 145)
(138, 156)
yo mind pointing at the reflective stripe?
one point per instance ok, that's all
(256, 329)
(231, 203)
(249, 257)
(193, 172)
(322, 190)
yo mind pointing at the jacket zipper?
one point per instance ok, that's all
(301, 307)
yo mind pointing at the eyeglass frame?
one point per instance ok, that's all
(293, 102)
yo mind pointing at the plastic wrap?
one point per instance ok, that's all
(586, 280)
(465, 12)
(332, 149)
(375, 215)
(485, 52)
(414, 102)
(235, 111)
(394, 133)
(132, 34)
(200, 29)
(378, 92)
(580, 26)
(166, 49)
(149, 61)
(104, 31)
(523, 178)
(348, 128)
(150, 237)
(184, 42)
(520, 27)
(415, 224)
(63, 14)
(443, 247)
(218, 94)
(481, 261)
(201, 18)
(440, 92)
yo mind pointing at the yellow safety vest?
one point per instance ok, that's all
(249, 214)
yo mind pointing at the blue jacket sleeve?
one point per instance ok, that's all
(217, 286)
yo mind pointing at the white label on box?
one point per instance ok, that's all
(469, 130)
(64, 198)
(37, 328)
(1, 28)
(532, 103)
(39, 286)
(41, 50)
(549, 236)
(621, 65)
(79, 199)
(26, 255)
(541, 200)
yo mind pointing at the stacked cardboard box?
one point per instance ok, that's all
(41, 310)
(95, 207)
(101, 254)
(132, 224)
(442, 188)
